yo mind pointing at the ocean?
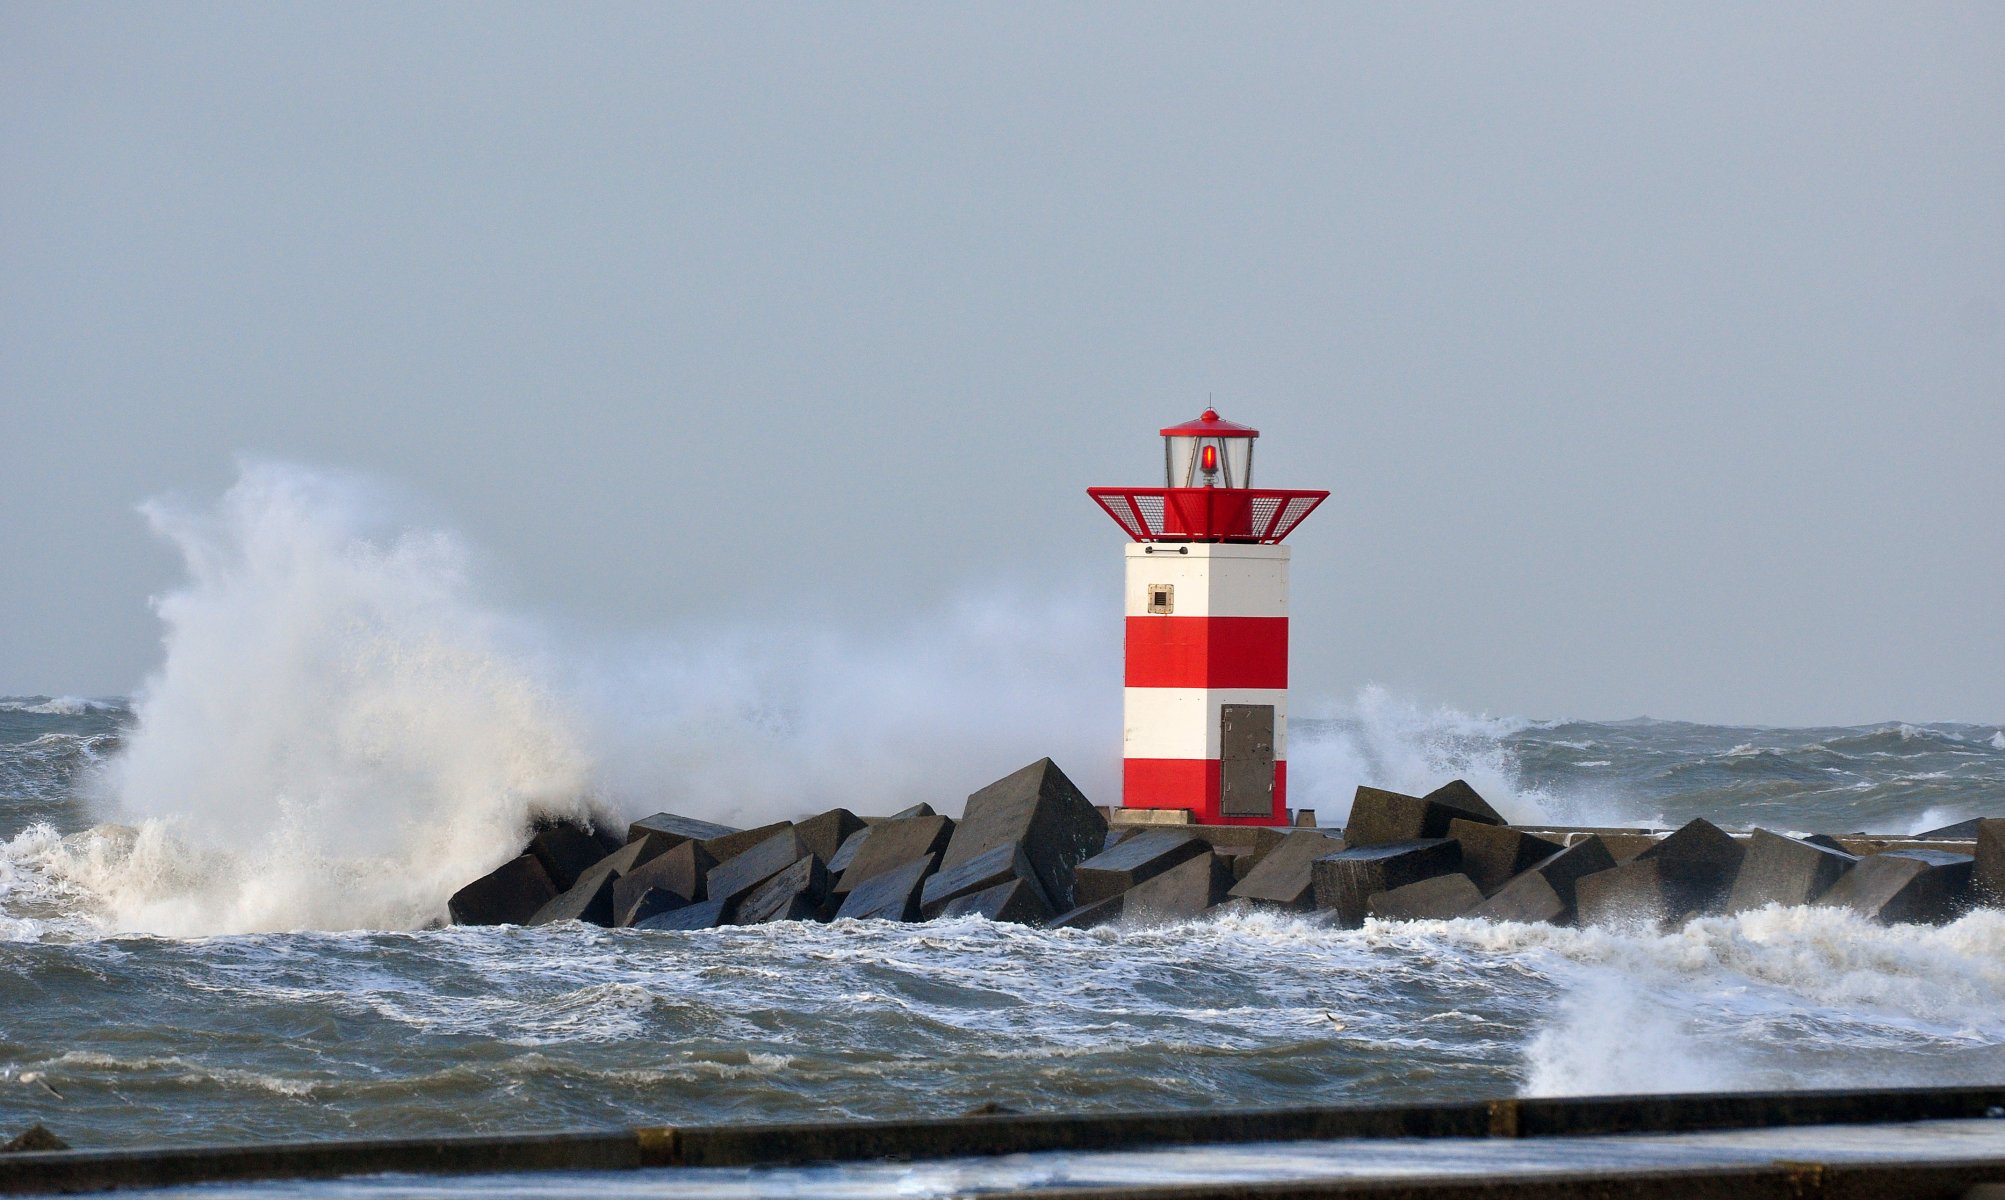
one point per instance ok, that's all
(182, 966)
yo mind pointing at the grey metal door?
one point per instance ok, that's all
(1246, 760)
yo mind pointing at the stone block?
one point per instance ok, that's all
(1988, 873)
(1344, 881)
(1442, 898)
(677, 829)
(1635, 893)
(731, 845)
(1284, 876)
(1183, 891)
(1116, 835)
(1457, 793)
(893, 844)
(1895, 886)
(1144, 856)
(1038, 808)
(682, 870)
(980, 873)
(1784, 870)
(1089, 916)
(921, 809)
(508, 895)
(1493, 855)
(589, 900)
(796, 893)
(566, 850)
(891, 895)
(1956, 832)
(650, 903)
(732, 878)
(1144, 817)
(1379, 817)
(1523, 900)
(705, 914)
(1699, 862)
(627, 858)
(824, 833)
(1529, 899)
(1256, 840)
(1019, 901)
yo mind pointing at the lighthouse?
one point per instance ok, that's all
(1205, 698)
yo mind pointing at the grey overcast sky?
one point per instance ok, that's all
(1654, 354)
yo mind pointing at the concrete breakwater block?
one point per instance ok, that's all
(1988, 874)
(1493, 855)
(1784, 870)
(1894, 886)
(1179, 893)
(891, 895)
(676, 829)
(990, 869)
(733, 878)
(795, 893)
(824, 833)
(589, 900)
(731, 845)
(1699, 862)
(1544, 893)
(1442, 898)
(1345, 881)
(894, 843)
(706, 914)
(1379, 817)
(508, 895)
(1631, 894)
(1112, 872)
(1284, 875)
(567, 850)
(683, 870)
(651, 903)
(1019, 901)
(852, 846)
(1041, 810)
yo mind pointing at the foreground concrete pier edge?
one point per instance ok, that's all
(794, 1144)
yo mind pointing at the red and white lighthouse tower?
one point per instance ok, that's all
(1206, 698)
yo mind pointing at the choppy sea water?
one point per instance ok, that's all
(113, 1033)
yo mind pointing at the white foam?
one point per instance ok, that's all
(1385, 741)
(59, 706)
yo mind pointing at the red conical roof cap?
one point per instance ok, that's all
(1211, 425)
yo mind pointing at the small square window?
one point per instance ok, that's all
(1162, 598)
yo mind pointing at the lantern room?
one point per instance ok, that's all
(1208, 452)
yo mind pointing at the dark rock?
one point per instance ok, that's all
(1183, 891)
(1457, 793)
(35, 1138)
(850, 848)
(650, 903)
(1699, 862)
(1988, 877)
(1116, 834)
(1345, 881)
(705, 914)
(825, 833)
(1924, 886)
(893, 844)
(980, 873)
(1283, 876)
(1019, 901)
(677, 829)
(891, 895)
(794, 894)
(921, 809)
(1784, 870)
(1523, 900)
(1038, 808)
(1637, 892)
(732, 878)
(1528, 900)
(1828, 842)
(589, 900)
(1379, 817)
(731, 845)
(566, 851)
(508, 895)
(1256, 840)
(1112, 872)
(1441, 898)
(1493, 855)
(681, 870)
